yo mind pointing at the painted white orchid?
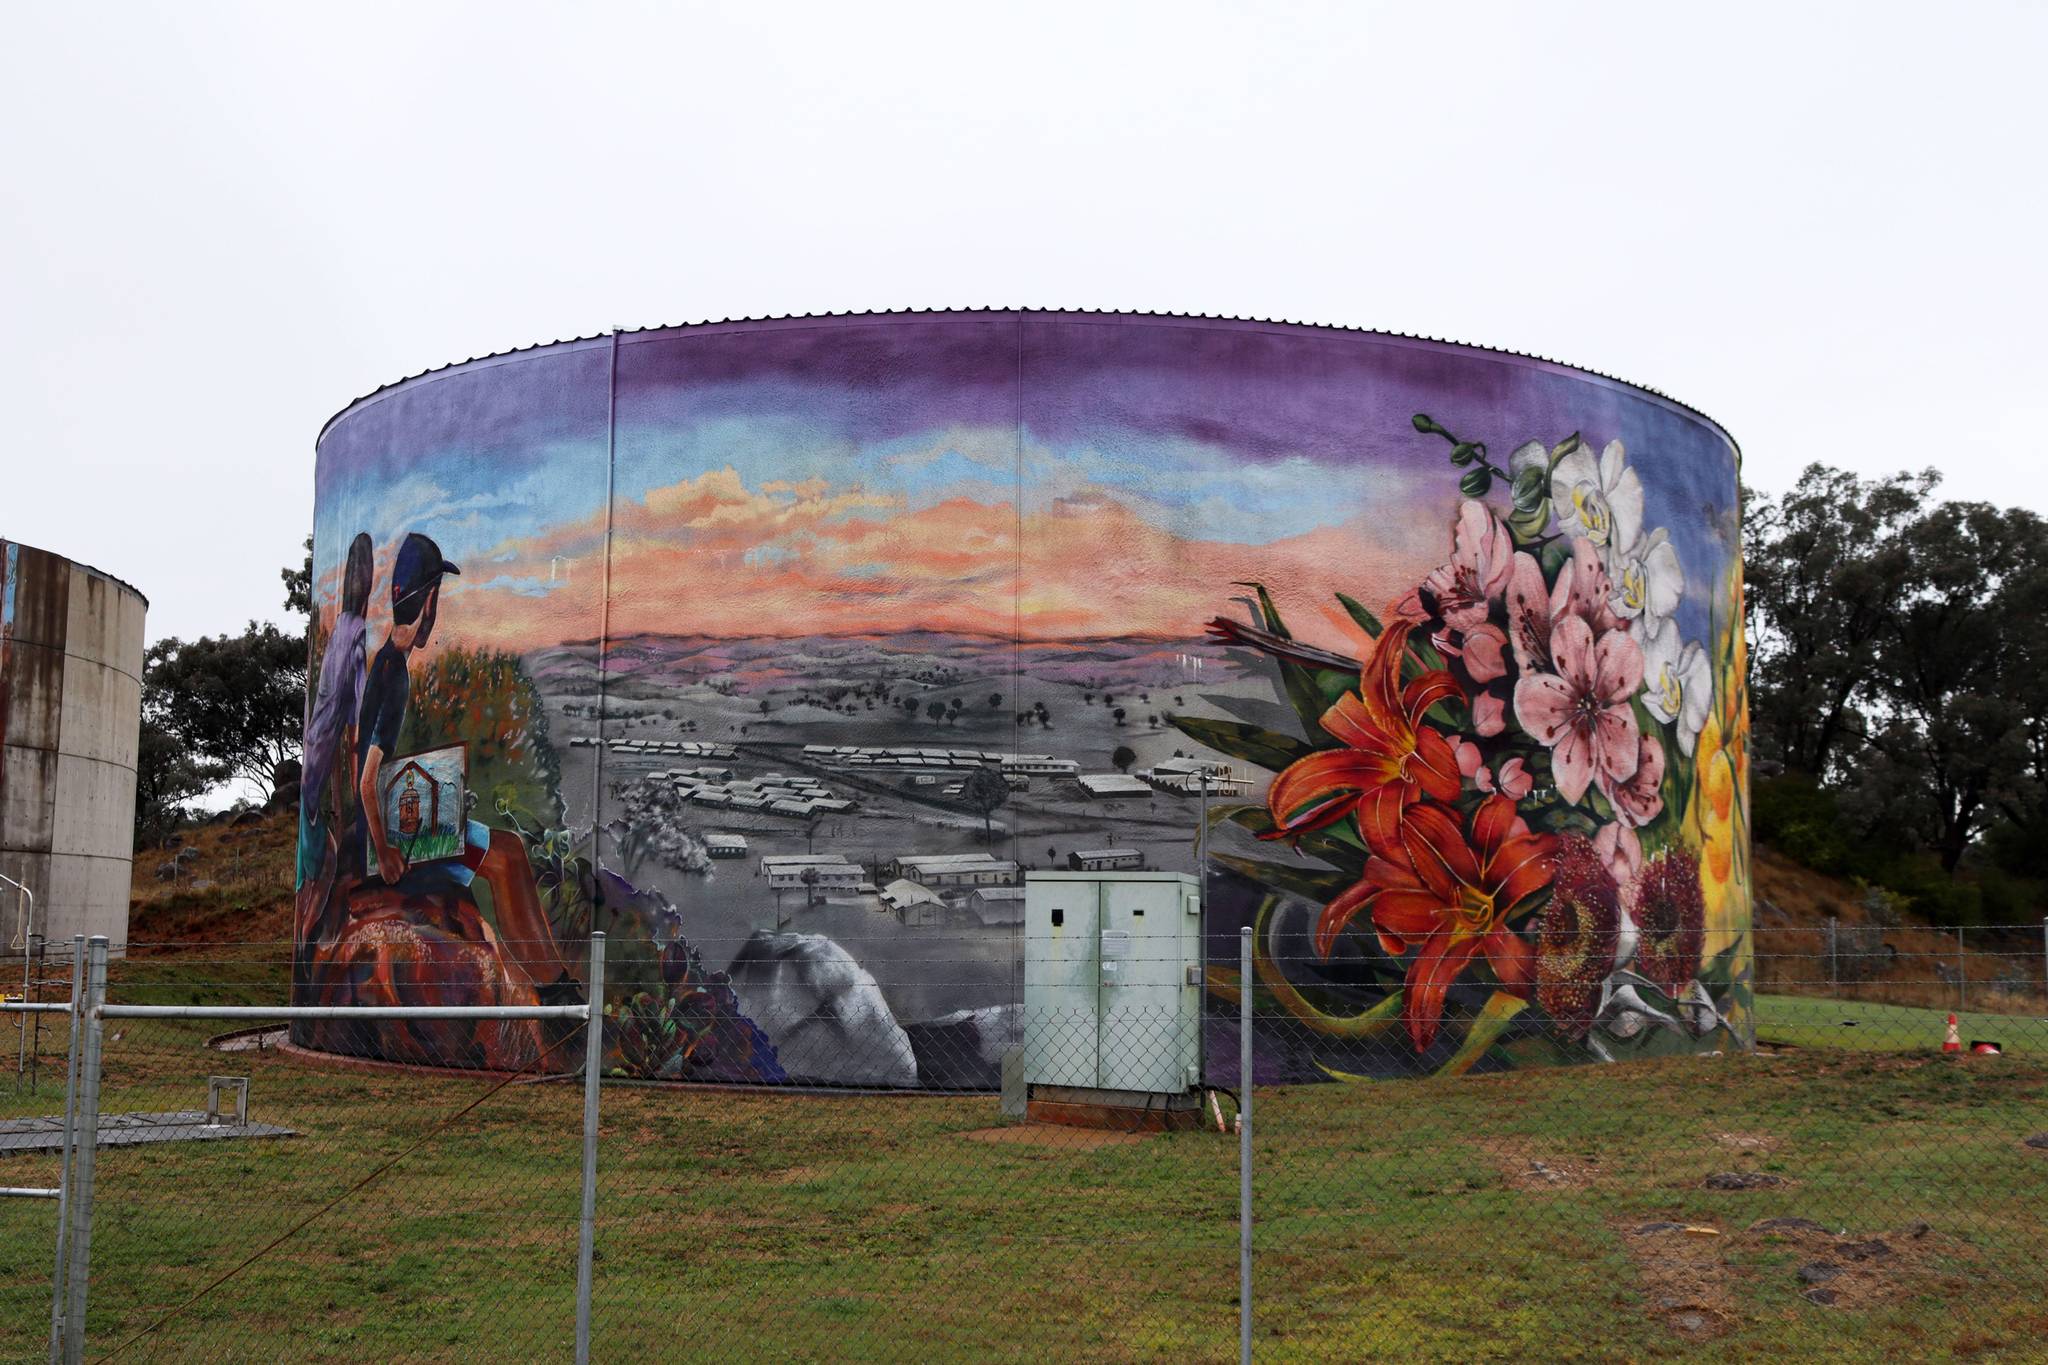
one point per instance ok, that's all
(1678, 683)
(1598, 501)
(1646, 580)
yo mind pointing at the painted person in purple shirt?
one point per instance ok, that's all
(337, 701)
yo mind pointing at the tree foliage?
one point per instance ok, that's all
(233, 704)
(169, 777)
(1898, 665)
(298, 585)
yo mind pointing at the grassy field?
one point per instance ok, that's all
(1818, 1021)
(1488, 1218)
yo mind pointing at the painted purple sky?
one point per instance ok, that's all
(1085, 475)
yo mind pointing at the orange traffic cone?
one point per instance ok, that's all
(1954, 1041)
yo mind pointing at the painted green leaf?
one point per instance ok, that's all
(1267, 748)
(1527, 526)
(1332, 685)
(1486, 1028)
(1305, 694)
(1317, 884)
(1273, 622)
(1338, 844)
(1719, 974)
(1565, 820)
(1366, 620)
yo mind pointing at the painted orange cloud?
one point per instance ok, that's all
(710, 556)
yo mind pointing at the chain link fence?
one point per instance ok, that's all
(1847, 1191)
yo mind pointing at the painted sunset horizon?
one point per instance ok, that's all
(875, 596)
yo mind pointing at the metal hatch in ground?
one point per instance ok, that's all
(127, 1130)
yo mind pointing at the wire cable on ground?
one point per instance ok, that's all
(344, 1196)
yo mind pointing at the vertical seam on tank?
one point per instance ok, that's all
(604, 618)
(1017, 580)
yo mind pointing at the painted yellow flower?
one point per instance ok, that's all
(1717, 815)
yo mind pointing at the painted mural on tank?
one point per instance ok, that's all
(784, 651)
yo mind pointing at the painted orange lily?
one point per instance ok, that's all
(1389, 761)
(1452, 894)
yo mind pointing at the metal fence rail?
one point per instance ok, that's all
(82, 1136)
(1848, 1191)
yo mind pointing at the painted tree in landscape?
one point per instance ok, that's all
(986, 792)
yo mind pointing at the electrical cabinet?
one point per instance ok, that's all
(1113, 981)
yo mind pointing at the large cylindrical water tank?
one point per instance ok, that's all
(784, 650)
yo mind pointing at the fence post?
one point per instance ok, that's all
(1834, 972)
(1962, 971)
(86, 1138)
(1244, 1145)
(66, 1147)
(593, 1066)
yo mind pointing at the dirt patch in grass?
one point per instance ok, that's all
(1760, 1143)
(1686, 1281)
(1851, 1270)
(1539, 1172)
(1727, 1181)
(1054, 1135)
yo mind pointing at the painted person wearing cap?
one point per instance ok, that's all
(337, 702)
(416, 575)
(437, 892)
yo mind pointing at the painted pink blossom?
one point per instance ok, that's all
(1639, 798)
(1471, 762)
(1535, 607)
(1581, 712)
(1512, 779)
(1621, 851)
(1485, 649)
(1489, 715)
(1464, 590)
(1583, 589)
(1528, 598)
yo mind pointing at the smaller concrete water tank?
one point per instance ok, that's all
(71, 648)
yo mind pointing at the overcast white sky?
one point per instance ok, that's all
(1821, 224)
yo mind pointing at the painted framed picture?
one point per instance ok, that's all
(423, 801)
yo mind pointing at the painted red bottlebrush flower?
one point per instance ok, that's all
(1390, 759)
(1670, 912)
(1449, 894)
(1577, 937)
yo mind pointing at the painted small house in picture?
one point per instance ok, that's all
(419, 799)
(423, 798)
